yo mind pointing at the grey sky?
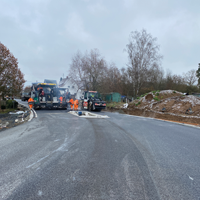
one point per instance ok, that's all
(45, 34)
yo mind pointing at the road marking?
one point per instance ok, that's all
(37, 161)
(31, 116)
(190, 178)
(34, 113)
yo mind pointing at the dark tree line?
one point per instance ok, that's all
(143, 72)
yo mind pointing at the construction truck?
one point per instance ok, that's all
(25, 95)
(47, 95)
(91, 101)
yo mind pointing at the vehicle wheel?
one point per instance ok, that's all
(99, 110)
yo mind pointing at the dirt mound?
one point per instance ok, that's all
(167, 104)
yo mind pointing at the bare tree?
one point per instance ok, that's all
(95, 67)
(87, 71)
(77, 73)
(190, 77)
(156, 76)
(142, 56)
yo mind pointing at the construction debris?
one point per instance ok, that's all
(85, 114)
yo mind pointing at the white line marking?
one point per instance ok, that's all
(37, 161)
(190, 178)
(34, 113)
(31, 116)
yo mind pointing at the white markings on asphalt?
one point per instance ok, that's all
(56, 140)
(31, 116)
(190, 178)
(62, 146)
(34, 113)
(39, 193)
(37, 161)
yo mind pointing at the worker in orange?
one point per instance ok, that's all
(61, 98)
(30, 103)
(76, 104)
(71, 103)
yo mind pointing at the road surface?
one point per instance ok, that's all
(60, 156)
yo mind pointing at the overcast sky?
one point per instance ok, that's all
(44, 34)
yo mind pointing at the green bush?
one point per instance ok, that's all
(157, 94)
(153, 92)
(156, 98)
(138, 97)
(139, 102)
(11, 104)
(174, 91)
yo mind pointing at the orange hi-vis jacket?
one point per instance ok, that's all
(61, 98)
(76, 102)
(30, 103)
(71, 101)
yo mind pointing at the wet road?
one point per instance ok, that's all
(60, 156)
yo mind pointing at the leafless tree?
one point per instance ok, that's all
(190, 77)
(87, 71)
(77, 74)
(143, 54)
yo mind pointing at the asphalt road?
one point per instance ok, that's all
(60, 156)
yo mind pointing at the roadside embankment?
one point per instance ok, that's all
(166, 105)
(12, 119)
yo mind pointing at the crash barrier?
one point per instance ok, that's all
(86, 114)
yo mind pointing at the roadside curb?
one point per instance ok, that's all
(33, 113)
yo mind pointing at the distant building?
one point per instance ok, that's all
(73, 88)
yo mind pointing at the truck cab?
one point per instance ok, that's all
(25, 96)
(41, 94)
(91, 100)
